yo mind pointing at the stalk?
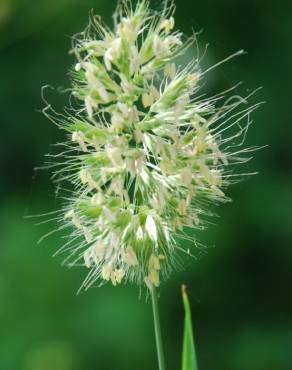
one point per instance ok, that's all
(157, 329)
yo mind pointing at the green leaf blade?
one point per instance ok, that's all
(189, 358)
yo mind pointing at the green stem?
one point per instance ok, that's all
(158, 338)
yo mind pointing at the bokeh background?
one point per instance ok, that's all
(240, 290)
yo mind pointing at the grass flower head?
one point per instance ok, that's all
(146, 152)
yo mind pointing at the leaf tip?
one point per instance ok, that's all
(184, 291)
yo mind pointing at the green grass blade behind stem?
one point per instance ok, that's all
(189, 358)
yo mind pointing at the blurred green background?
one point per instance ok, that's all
(240, 290)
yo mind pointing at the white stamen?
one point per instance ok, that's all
(103, 93)
(158, 46)
(154, 263)
(150, 227)
(133, 114)
(124, 109)
(106, 271)
(147, 100)
(134, 60)
(115, 155)
(119, 274)
(167, 24)
(87, 234)
(78, 136)
(88, 257)
(89, 103)
(117, 121)
(129, 257)
(170, 70)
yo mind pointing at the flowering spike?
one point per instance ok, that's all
(150, 155)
